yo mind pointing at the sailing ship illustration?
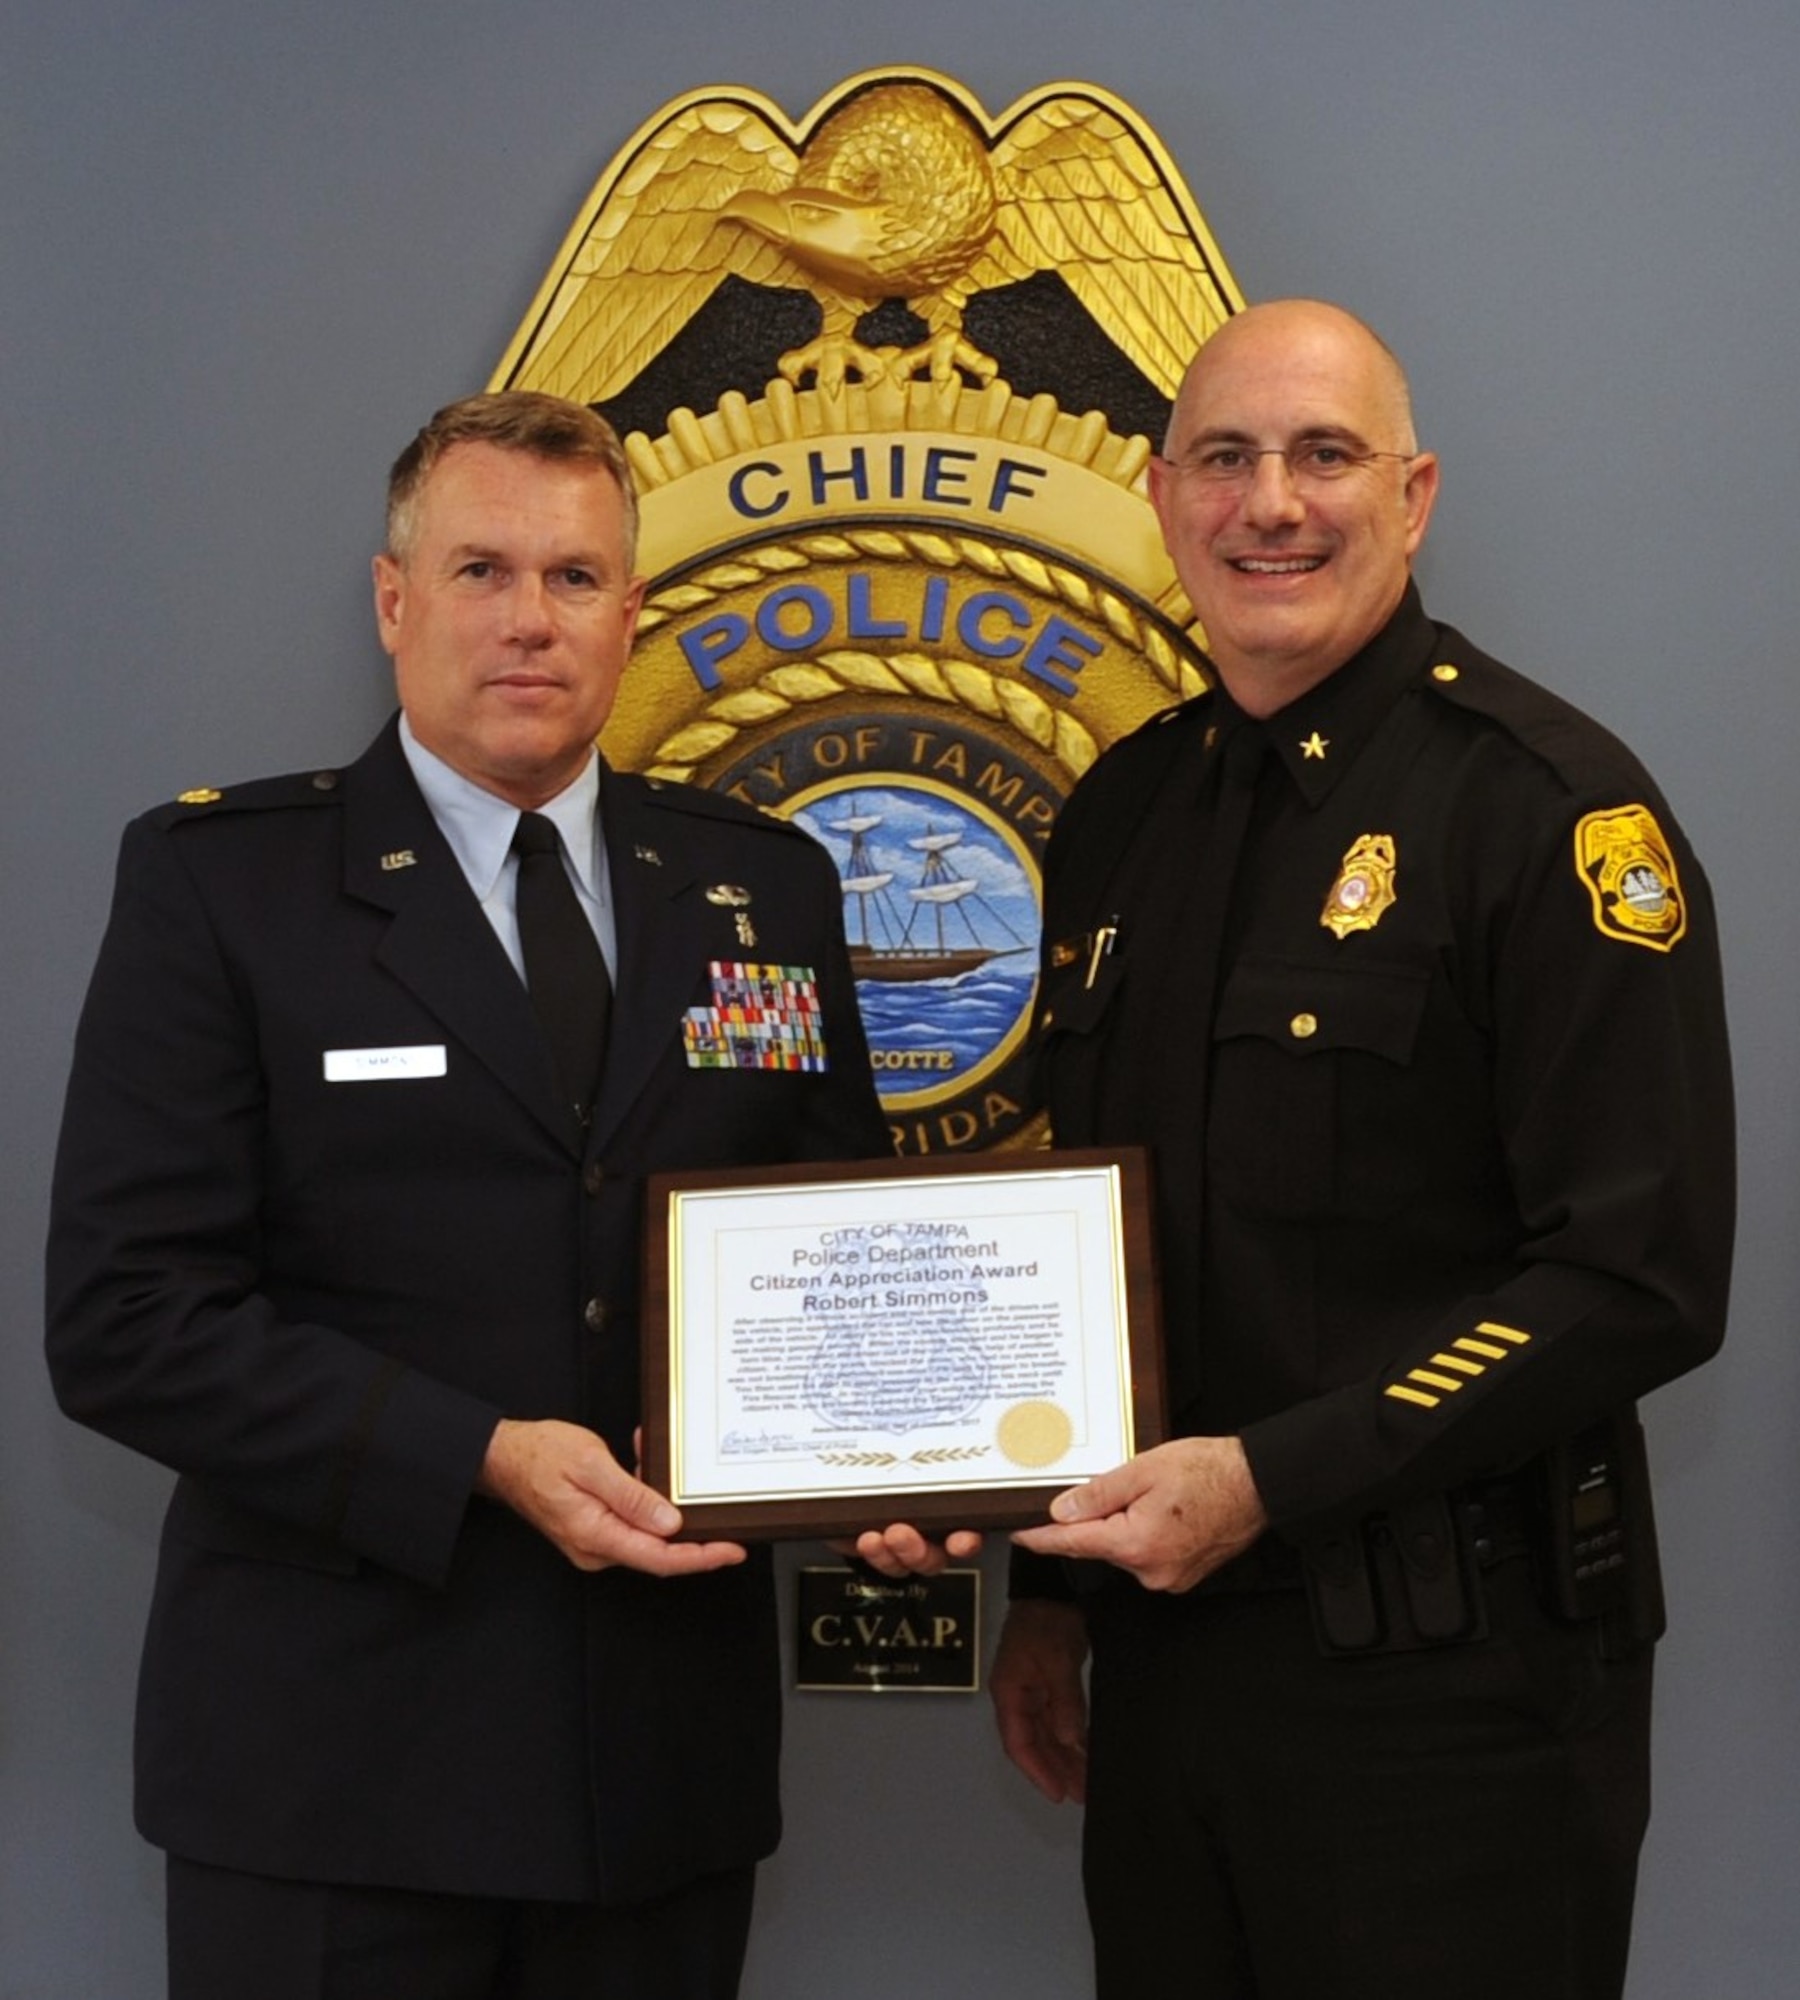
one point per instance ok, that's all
(881, 933)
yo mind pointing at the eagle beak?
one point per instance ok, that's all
(767, 214)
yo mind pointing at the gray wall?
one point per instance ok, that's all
(248, 247)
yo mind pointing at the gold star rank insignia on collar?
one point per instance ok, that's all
(1315, 746)
(1364, 887)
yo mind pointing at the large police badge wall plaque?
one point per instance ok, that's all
(888, 377)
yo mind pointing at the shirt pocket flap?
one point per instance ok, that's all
(1072, 1005)
(1311, 1010)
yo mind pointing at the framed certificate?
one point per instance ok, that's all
(836, 1347)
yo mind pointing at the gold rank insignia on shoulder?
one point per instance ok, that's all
(1364, 887)
(202, 795)
(1629, 869)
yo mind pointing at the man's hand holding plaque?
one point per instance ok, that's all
(941, 1348)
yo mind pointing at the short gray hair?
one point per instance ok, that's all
(525, 420)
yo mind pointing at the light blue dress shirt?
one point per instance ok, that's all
(479, 827)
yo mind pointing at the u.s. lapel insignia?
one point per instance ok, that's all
(727, 896)
(1629, 868)
(1364, 887)
(648, 854)
(402, 857)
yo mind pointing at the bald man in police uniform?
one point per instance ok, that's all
(1407, 976)
(433, 1707)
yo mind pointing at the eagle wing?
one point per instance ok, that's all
(648, 249)
(1081, 193)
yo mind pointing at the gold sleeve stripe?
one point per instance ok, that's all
(1462, 1368)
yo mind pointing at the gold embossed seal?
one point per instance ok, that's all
(1035, 1433)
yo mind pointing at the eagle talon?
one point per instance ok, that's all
(941, 356)
(831, 359)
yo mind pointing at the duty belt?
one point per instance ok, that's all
(1403, 1578)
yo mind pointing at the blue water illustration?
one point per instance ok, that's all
(942, 919)
(967, 1018)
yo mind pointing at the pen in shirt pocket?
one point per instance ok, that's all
(1105, 939)
(1092, 945)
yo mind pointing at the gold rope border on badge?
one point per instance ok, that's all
(998, 414)
(949, 680)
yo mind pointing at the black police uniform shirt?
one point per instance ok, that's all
(1434, 1071)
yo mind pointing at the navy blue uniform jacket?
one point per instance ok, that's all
(315, 1299)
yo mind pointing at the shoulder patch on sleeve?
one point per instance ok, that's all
(1628, 867)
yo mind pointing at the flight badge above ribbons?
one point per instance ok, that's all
(1364, 887)
(727, 896)
(1628, 866)
(761, 1017)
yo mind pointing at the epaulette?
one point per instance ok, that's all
(718, 805)
(1158, 737)
(1585, 754)
(293, 788)
(1193, 709)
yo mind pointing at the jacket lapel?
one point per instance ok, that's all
(438, 944)
(665, 940)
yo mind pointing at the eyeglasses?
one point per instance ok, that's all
(1314, 462)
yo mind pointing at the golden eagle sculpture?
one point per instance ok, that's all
(897, 189)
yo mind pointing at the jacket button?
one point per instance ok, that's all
(1303, 1025)
(593, 1179)
(593, 1315)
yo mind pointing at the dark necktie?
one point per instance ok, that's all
(564, 969)
(1241, 761)
(1201, 947)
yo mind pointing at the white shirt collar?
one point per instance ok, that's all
(479, 824)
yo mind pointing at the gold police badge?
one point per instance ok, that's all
(1628, 866)
(887, 377)
(1364, 887)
